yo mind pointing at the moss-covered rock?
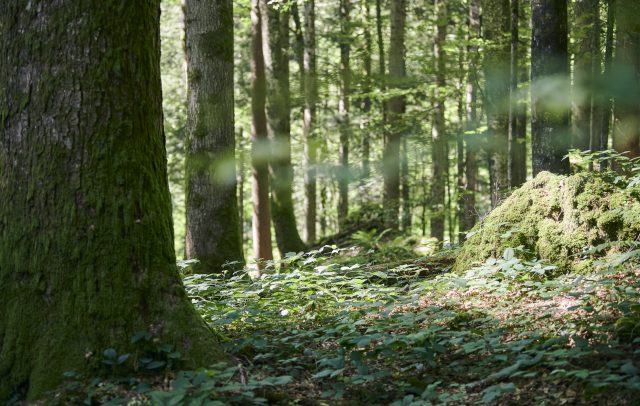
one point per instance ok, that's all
(554, 218)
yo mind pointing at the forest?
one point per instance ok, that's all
(319, 202)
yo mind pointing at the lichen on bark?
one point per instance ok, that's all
(555, 218)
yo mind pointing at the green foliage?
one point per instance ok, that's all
(343, 329)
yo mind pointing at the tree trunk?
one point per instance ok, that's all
(395, 109)
(213, 230)
(496, 28)
(275, 46)
(438, 134)
(550, 131)
(262, 249)
(86, 254)
(366, 102)
(626, 125)
(406, 191)
(310, 139)
(381, 59)
(469, 216)
(518, 164)
(517, 138)
(607, 97)
(585, 70)
(343, 113)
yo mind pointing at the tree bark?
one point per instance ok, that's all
(438, 133)
(395, 110)
(406, 187)
(260, 149)
(366, 102)
(343, 112)
(607, 97)
(310, 138)
(626, 74)
(275, 46)
(496, 28)
(86, 254)
(213, 230)
(585, 70)
(469, 216)
(549, 84)
(517, 166)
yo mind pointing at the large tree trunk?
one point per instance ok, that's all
(275, 46)
(310, 138)
(469, 216)
(343, 112)
(213, 231)
(262, 248)
(626, 125)
(395, 108)
(439, 159)
(586, 69)
(496, 28)
(86, 254)
(550, 131)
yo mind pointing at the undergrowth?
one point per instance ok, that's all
(333, 327)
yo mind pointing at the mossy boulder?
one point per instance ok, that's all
(554, 218)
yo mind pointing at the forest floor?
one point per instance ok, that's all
(386, 323)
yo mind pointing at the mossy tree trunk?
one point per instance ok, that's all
(550, 130)
(86, 247)
(395, 110)
(275, 50)
(496, 28)
(213, 231)
(260, 151)
(626, 74)
(439, 160)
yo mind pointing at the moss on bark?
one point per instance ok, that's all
(555, 217)
(86, 252)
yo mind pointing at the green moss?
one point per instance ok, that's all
(554, 218)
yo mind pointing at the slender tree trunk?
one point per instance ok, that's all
(438, 134)
(607, 103)
(262, 249)
(586, 36)
(311, 142)
(460, 152)
(626, 125)
(213, 229)
(344, 124)
(549, 68)
(518, 165)
(275, 46)
(366, 102)
(469, 216)
(241, 180)
(395, 108)
(86, 254)
(496, 28)
(517, 137)
(381, 58)
(406, 185)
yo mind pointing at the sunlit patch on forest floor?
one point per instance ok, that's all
(325, 328)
